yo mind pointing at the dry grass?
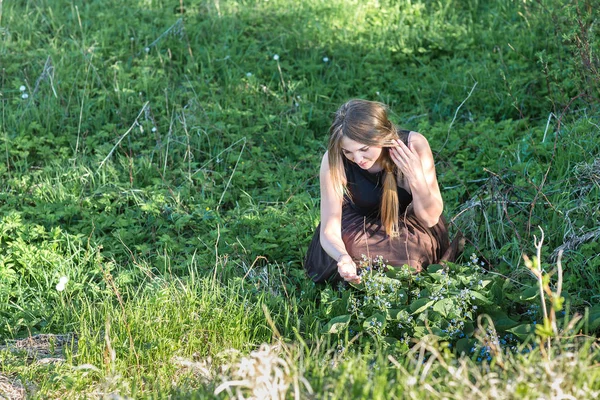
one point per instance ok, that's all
(43, 348)
(267, 373)
(11, 389)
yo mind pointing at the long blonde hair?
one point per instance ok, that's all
(366, 122)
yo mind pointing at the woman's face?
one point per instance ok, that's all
(364, 156)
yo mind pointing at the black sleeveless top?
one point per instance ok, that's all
(366, 189)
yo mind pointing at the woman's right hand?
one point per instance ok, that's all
(347, 269)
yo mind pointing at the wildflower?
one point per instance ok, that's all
(147, 49)
(154, 129)
(325, 59)
(276, 57)
(24, 96)
(62, 283)
(22, 88)
(248, 74)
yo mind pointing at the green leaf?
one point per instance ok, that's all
(392, 341)
(337, 324)
(523, 331)
(529, 294)
(397, 314)
(594, 318)
(505, 324)
(468, 329)
(433, 268)
(464, 345)
(502, 321)
(421, 305)
(480, 297)
(419, 332)
(375, 318)
(445, 306)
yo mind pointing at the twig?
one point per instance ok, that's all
(87, 73)
(232, 173)
(252, 266)
(221, 152)
(167, 145)
(46, 73)
(558, 126)
(177, 25)
(135, 123)
(575, 241)
(455, 114)
(216, 253)
(548, 125)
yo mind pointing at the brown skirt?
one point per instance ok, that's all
(364, 236)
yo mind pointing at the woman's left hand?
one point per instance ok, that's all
(407, 161)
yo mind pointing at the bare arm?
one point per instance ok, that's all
(331, 225)
(416, 163)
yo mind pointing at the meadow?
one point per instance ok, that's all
(159, 188)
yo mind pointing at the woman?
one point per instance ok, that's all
(379, 197)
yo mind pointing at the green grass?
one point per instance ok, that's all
(163, 160)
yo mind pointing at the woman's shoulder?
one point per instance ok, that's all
(418, 142)
(325, 164)
(325, 160)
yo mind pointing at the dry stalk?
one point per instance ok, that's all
(263, 374)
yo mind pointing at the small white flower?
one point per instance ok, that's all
(154, 129)
(377, 93)
(325, 59)
(248, 74)
(132, 38)
(147, 49)
(276, 57)
(24, 96)
(62, 283)
(22, 88)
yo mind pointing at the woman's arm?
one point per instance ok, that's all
(415, 161)
(331, 225)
